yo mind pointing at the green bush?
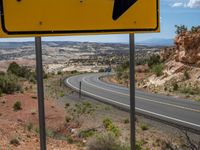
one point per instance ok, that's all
(106, 141)
(126, 121)
(70, 140)
(59, 73)
(62, 93)
(14, 142)
(50, 133)
(67, 105)
(189, 90)
(144, 127)
(87, 133)
(186, 75)
(9, 83)
(122, 70)
(175, 86)
(101, 70)
(17, 106)
(30, 126)
(158, 69)
(154, 60)
(180, 29)
(68, 119)
(23, 72)
(194, 29)
(14, 68)
(110, 127)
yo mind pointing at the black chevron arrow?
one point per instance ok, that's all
(121, 6)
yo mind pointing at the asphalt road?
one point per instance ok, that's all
(181, 112)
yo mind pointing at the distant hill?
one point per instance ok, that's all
(157, 42)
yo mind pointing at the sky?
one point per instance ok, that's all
(172, 12)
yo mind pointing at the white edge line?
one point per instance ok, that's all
(145, 99)
(146, 111)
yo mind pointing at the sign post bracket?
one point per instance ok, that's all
(40, 91)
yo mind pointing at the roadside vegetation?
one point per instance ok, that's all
(156, 72)
(79, 122)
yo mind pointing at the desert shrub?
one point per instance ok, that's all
(175, 86)
(84, 108)
(144, 127)
(21, 71)
(126, 121)
(74, 71)
(122, 70)
(186, 75)
(108, 124)
(17, 106)
(50, 133)
(87, 133)
(141, 61)
(180, 29)
(37, 130)
(158, 69)
(189, 90)
(106, 141)
(59, 73)
(34, 97)
(154, 60)
(68, 119)
(9, 83)
(14, 142)
(101, 70)
(70, 140)
(30, 126)
(67, 105)
(62, 93)
(14, 68)
(138, 146)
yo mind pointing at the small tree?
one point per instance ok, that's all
(154, 60)
(180, 29)
(195, 29)
(14, 68)
(158, 69)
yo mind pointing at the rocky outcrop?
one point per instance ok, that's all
(188, 48)
(167, 53)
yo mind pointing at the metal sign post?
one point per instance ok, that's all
(132, 90)
(40, 91)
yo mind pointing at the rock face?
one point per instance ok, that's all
(180, 61)
(167, 53)
(188, 48)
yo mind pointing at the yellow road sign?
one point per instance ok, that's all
(68, 17)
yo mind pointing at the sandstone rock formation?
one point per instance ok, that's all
(188, 48)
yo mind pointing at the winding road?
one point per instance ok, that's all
(180, 112)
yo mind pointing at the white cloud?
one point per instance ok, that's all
(177, 5)
(193, 4)
(189, 4)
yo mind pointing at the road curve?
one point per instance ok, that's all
(180, 112)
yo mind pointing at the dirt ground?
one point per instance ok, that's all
(14, 124)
